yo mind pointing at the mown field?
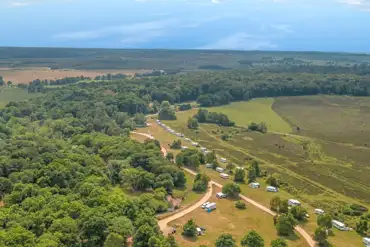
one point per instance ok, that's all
(13, 94)
(320, 172)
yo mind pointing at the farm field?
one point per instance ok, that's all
(256, 110)
(13, 94)
(228, 219)
(27, 74)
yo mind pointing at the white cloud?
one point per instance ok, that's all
(23, 3)
(135, 31)
(282, 27)
(241, 41)
(363, 4)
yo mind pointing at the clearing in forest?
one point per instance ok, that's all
(256, 110)
(14, 94)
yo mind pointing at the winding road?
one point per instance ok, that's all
(163, 224)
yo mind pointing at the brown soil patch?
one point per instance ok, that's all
(25, 75)
(2, 204)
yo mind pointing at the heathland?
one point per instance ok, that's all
(70, 174)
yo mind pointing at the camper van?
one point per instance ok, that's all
(220, 195)
(223, 160)
(224, 176)
(366, 242)
(195, 144)
(339, 225)
(210, 207)
(220, 169)
(319, 211)
(254, 185)
(209, 165)
(293, 202)
(271, 189)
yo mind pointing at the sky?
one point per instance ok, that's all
(291, 25)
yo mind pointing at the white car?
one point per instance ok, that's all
(204, 205)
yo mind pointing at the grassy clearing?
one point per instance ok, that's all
(14, 94)
(256, 110)
(341, 119)
(228, 219)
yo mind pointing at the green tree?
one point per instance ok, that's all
(171, 242)
(239, 175)
(143, 234)
(122, 226)
(201, 181)
(192, 123)
(230, 166)
(362, 227)
(94, 229)
(48, 240)
(154, 242)
(252, 175)
(19, 237)
(176, 144)
(190, 229)
(170, 156)
(2, 83)
(114, 240)
(5, 186)
(279, 243)
(298, 212)
(252, 239)
(325, 221)
(256, 166)
(9, 83)
(231, 190)
(240, 205)
(272, 180)
(225, 240)
(285, 224)
(166, 111)
(278, 205)
(320, 236)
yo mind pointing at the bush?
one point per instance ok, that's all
(240, 205)
(190, 229)
(258, 127)
(231, 190)
(176, 144)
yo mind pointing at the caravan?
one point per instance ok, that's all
(223, 160)
(271, 189)
(219, 169)
(209, 165)
(293, 202)
(339, 225)
(319, 211)
(210, 207)
(254, 185)
(224, 176)
(366, 242)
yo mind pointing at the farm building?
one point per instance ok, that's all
(220, 169)
(339, 225)
(224, 176)
(294, 202)
(254, 185)
(271, 189)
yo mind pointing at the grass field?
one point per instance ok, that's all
(228, 219)
(25, 75)
(256, 110)
(14, 94)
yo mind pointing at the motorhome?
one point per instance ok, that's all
(205, 204)
(223, 160)
(271, 189)
(254, 185)
(210, 207)
(366, 241)
(224, 176)
(294, 202)
(209, 165)
(187, 139)
(319, 211)
(339, 225)
(220, 169)
(220, 195)
(195, 144)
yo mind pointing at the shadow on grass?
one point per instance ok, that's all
(190, 239)
(293, 237)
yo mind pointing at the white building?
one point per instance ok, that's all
(294, 202)
(319, 211)
(339, 225)
(271, 189)
(224, 176)
(220, 169)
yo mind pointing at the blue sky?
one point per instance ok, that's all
(321, 25)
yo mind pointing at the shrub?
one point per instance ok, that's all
(240, 205)
(190, 229)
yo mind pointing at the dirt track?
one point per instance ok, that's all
(163, 223)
